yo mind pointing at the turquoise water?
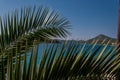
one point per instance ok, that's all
(88, 47)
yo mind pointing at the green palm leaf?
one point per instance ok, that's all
(32, 24)
(21, 28)
(69, 61)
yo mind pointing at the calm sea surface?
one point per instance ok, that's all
(88, 47)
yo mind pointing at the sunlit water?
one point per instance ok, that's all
(88, 47)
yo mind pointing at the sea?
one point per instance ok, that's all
(78, 48)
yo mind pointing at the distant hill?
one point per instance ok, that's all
(102, 37)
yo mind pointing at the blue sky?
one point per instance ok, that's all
(88, 18)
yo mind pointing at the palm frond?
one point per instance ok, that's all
(38, 23)
(68, 61)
